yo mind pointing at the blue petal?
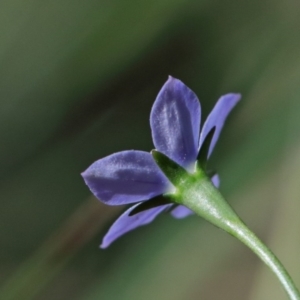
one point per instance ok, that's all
(216, 180)
(175, 122)
(127, 223)
(180, 211)
(217, 118)
(126, 177)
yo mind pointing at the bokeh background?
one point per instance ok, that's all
(77, 82)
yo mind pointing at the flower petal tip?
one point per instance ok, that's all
(170, 77)
(104, 246)
(234, 97)
(84, 174)
(173, 82)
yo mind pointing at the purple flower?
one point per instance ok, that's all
(133, 176)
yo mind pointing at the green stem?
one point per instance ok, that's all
(197, 193)
(242, 232)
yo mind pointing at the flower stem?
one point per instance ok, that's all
(245, 235)
(198, 194)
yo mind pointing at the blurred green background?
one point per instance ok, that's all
(77, 82)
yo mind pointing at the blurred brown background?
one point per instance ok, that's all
(77, 81)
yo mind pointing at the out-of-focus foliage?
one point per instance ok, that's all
(77, 81)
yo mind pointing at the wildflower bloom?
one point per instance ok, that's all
(134, 177)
